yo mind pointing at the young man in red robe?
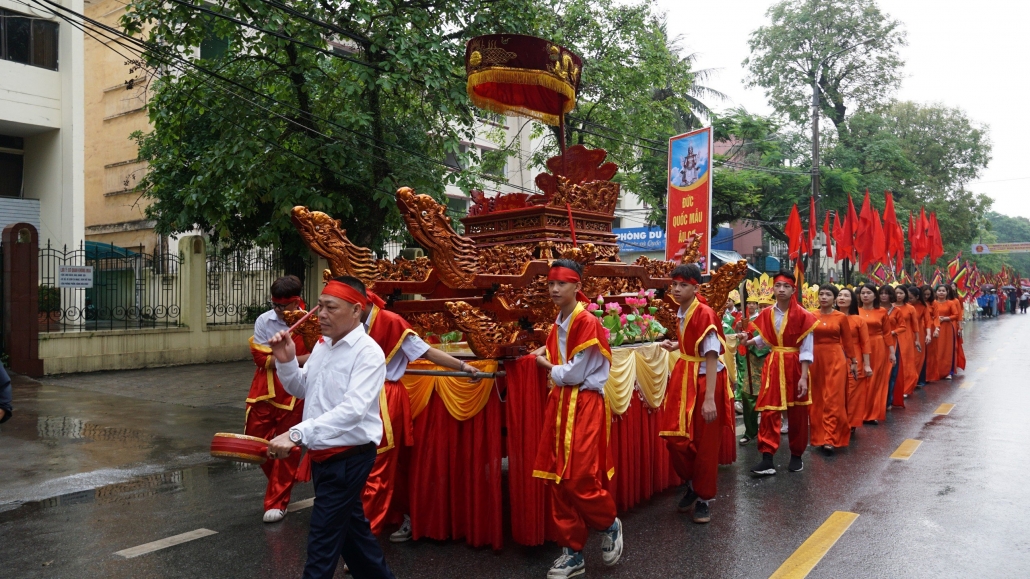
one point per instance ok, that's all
(271, 410)
(385, 497)
(695, 409)
(787, 329)
(573, 455)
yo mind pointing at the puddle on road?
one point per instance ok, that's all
(120, 492)
(76, 428)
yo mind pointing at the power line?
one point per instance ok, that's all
(379, 144)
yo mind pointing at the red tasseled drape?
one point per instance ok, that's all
(456, 475)
(524, 407)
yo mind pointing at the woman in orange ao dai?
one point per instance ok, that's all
(924, 327)
(881, 353)
(858, 379)
(828, 375)
(903, 324)
(948, 318)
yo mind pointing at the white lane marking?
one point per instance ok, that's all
(299, 505)
(164, 543)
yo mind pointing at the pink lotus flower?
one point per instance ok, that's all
(622, 319)
(592, 307)
(607, 334)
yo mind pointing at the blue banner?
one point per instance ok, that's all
(640, 239)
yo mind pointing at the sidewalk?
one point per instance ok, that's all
(218, 385)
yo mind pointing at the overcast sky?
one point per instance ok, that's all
(970, 55)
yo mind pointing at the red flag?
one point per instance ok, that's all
(812, 223)
(911, 232)
(895, 238)
(869, 239)
(936, 243)
(838, 238)
(848, 246)
(920, 241)
(794, 233)
(953, 266)
(826, 234)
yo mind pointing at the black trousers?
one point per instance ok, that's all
(338, 523)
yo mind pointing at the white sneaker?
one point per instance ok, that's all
(404, 533)
(569, 564)
(784, 428)
(611, 544)
(274, 515)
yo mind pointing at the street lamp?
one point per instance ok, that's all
(812, 223)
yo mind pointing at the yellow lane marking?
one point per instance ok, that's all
(907, 449)
(815, 547)
(164, 543)
(944, 409)
(967, 385)
(305, 504)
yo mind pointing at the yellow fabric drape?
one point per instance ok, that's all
(645, 367)
(463, 399)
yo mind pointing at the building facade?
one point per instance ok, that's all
(42, 122)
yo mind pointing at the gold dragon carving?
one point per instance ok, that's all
(595, 196)
(455, 259)
(486, 337)
(324, 236)
(309, 331)
(724, 280)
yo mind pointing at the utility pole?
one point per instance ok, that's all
(813, 219)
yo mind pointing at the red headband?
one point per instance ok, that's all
(559, 273)
(285, 301)
(689, 280)
(374, 299)
(786, 280)
(564, 274)
(345, 293)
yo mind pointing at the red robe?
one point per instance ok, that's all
(562, 453)
(694, 445)
(574, 455)
(782, 369)
(385, 497)
(781, 373)
(271, 411)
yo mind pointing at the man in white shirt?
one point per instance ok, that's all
(340, 383)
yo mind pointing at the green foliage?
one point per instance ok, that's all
(1005, 229)
(758, 183)
(232, 163)
(634, 81)
(925, 154)
(786, 57)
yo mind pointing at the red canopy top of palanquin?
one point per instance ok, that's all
(522, 75)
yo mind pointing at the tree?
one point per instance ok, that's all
(295, 120)
(1007, 229)
(926, 155)
(787, 53)
(764, 173)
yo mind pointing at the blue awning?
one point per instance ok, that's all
(97, 250)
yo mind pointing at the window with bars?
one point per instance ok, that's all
(28, 39)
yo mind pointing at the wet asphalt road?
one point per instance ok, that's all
(87, 473)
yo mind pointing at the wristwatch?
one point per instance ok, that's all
(295, 436)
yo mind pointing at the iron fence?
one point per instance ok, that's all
(238, 282)
(105, 287)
